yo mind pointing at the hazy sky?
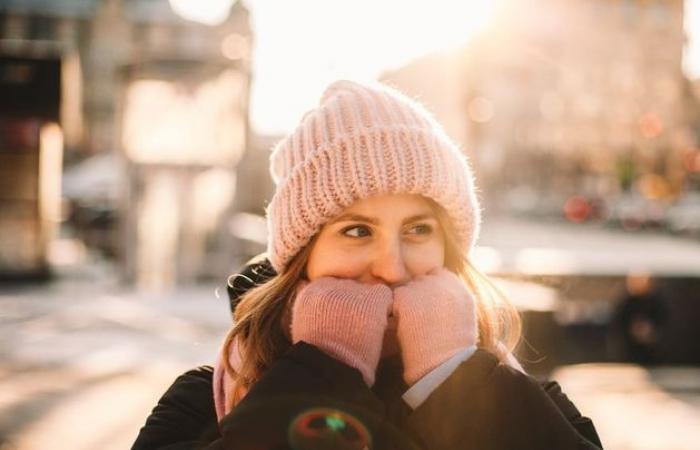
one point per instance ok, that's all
(302, 45)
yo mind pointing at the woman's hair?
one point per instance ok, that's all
(264, 311)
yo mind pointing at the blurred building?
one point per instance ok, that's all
(31, 151)
(162, 103)
(443, 95)
(562, 98)
(256, 188)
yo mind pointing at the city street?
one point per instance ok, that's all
(84, 353)
(80, 356)
(145, 144)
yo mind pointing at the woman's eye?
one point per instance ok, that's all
(356, 231)
(423, 228)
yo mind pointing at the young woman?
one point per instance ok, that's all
(366, 325)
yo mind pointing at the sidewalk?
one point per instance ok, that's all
(635, 408)
(82, 369)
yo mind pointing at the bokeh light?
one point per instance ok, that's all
(577, 209)
(650, 126)
(235, 46)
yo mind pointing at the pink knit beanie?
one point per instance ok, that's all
(363, 141)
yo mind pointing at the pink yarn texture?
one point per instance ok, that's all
(436, 317)
(362, 141)
(344, 318)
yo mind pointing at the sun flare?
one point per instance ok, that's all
(306, 44)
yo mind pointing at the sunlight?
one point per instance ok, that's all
(208, 12)
(361, 39)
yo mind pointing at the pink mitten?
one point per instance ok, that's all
(345, 319)
(436, 318)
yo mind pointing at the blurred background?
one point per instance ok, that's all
(134, 145)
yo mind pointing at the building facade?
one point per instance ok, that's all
(564, 98)
(166, 98)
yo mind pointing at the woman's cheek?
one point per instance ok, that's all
(421, 259)
(350, 264)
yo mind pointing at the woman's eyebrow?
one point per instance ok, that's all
(418, 217)
(351, 217)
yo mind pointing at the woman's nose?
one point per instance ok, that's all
(389, 265)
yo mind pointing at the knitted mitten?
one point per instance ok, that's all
(345, 319)
(436, 318)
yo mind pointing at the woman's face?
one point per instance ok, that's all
(387, 239)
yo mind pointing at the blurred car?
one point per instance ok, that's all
(90, 189)
(633, 212)
(580, 208)
(683, 217)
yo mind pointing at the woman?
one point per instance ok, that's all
(370, 327)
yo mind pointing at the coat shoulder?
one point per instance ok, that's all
(184, 416)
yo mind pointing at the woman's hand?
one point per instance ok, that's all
(436, 318)
(345, 319)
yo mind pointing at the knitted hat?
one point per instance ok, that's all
(363, 141)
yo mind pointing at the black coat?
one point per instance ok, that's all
(309, 400)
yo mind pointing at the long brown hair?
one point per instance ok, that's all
(262, 313)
